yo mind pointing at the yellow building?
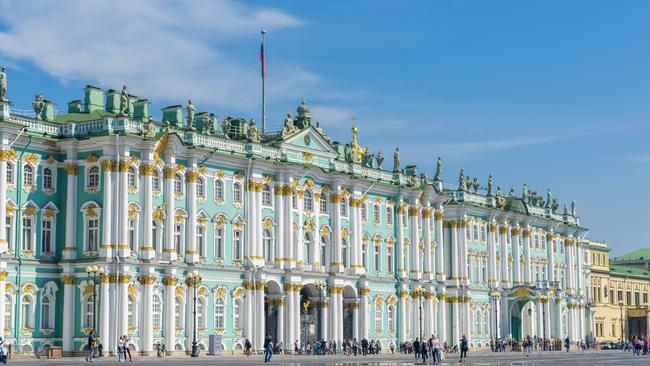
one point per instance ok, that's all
(619, 292)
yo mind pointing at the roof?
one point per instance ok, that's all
(82, 117)
(639, 254)
(629, 271)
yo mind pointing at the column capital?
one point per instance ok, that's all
(170, 281)
(3, 275)
(147, 279)
(70, 168)
(68, 279)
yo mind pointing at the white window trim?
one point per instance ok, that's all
(13, 173)
(223, 243)
(223, 299)
(241, 193)
(32, 235)
(84, 213)
(87, 185)
(52, 219)
(34, 176)
(223, 190)
(53, 169)
(202, 251)
(31, 313)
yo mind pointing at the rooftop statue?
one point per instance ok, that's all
(38, 104)
(207, 124)
(511, 193)
(524, 193)
(3, 83)
(225, 126)
(190, 115)
(566, 210)
(253, 132)
(554, 205)
(461, 181)
(549, 198)
(501, 201)
(289, 127)
(367, 159)
(468, 183)
(573, 208)
(396, 160)
(150, 129)
(438, 170)
(379, 158)
(124, 102)
(475, 184)
(489, 187)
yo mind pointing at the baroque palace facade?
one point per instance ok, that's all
(294, 235)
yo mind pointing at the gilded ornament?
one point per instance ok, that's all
(192, 176)
(124, 278)
(91, 159)
(51, 159)
(307, 156)
(170, 281)
(71, 169)
(6, 155)
(32, 159)
(147, 169)
(179, 291)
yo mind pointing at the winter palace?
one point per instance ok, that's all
(121, 223)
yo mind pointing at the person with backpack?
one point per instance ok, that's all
(567, 343)
(268, 348)
(91, 346)
(464, 347)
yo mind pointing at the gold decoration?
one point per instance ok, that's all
(71, 169)
(170, 281)
(31, 159)
(220, 293)
(6, 155)
(91, 158)
(307, 156)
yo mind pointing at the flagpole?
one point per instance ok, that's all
(263, 56)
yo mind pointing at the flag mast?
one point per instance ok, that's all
(263, 61)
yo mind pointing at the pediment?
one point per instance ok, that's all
(309, 140)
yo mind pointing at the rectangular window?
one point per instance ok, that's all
(237, 245)
(27, 233)
(200, 243)
(93, 234)
(628, 298)
(377, 258)
(178, 228)
(218, 243)
(132, 235)
(389, 259)
(46, 236)
(8, 226)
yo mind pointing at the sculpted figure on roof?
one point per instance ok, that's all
(289, 126)
(3, 83)
(124, 102)
(225, 126)
(38, 104)
(396, 160)
(489, 186)
(461, 181)
(438, 169)
(253, 131)
(190, 115)
(524, 193)
(379, 158)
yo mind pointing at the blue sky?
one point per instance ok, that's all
(554, 93)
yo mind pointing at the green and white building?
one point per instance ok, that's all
(277, 224)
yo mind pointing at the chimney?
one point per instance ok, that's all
(141, 110)
(47, 114)
(74, 106)
(174, 115)
(93, 99)
(112, 101)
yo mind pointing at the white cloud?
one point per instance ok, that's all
(163, 50)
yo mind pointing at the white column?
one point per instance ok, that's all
(280, 230)
(402, 263)
(335, 216)
(123, 209)
(516, 263)
(316, 249)
(68, 312)
(300, 255)
(462, 252)
(547, 318)
(440, 248)
(416, 304)
(70, 250)
(289, 323)
(339, 319)
(403, 293)
(249, 303)
(365, 312)
(296, 314)
(169, 253)
(356, 266)
(429, 314)
(290, 257)
(3, 291)
(259, 312)
(105, 315)
(324, 319)
(147, 249)
(355, 320)
(122, 311)
(454, 270)
(442, 316)
(333, 314)
(456, 325)
(527, 261)
(170, 313)
(428, 256)
(147, 282)
(492, 255)
(106, 251)
(191, 255)
(416, 270)
(505, 278)
(3, 210)
(279, 336)
(259, 229)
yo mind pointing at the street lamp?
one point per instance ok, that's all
(420, 292)
(193, 280)
(93, 272)
(494, 296)
(620, 304)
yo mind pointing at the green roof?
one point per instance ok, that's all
(638, 254)
(629, 271)
(82, 117)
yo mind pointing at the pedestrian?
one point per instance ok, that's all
(268, 348)
(464, 347)
(91, 346)
(247, 347)
(162, 350)
(127, 349)
(3, 356)
(435, 347)
(120, 349)
(423, 350)
(158, 350)
(567, 344)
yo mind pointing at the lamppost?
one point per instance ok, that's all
(193, 280)
(420, 293)
(620, 304)
(93, 272)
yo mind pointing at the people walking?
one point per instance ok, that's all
(268, 348)
(120, 349)
(247, 347)
(127, 350)
(91, 346)
(435, 347)
(3, 356)
(567, 343)
(464, 347)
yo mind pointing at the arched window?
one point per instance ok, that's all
(9, 310)
(131, 312)
(219, 317)
(308, 201)
(344, 207)
(390, 259)
(218, 190)
(27, 312)
(483, 233)
(200, 240)
(236, 193)
(307, 248)
(266, 195)
(236, 314)
(131, 176)
(178, 183)
(218, 243)
(468, 233)
(391, 318)
(47, 237)
(405, 221)
(46, 307)
(475, 232)
(156, 312)
(377, 258)
(178, 312)
(486, 325)
(178, 238)
(155, 181)
(376, 213)
(93, 177)
(155, 236)
(200, 313)
(364, 212)
(236, 250)
(28, 175)
(10, 173)
(268, 246)
(477, 322)
(323, 250)
(389, 215)
(323, 203)
(87, 316)
(344, 252)
(200, 187)
(379, 317)
(47, 178)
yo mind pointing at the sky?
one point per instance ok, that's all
(554, 94)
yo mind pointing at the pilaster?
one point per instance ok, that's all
(191, 253)
(169, 253)
(106, 250)
(438, 217)
(147, 248)
(70, 250)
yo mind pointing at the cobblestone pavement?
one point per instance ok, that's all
(476, 358)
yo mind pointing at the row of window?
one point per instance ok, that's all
(48, 178)
(28, 312)
(28, 234)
